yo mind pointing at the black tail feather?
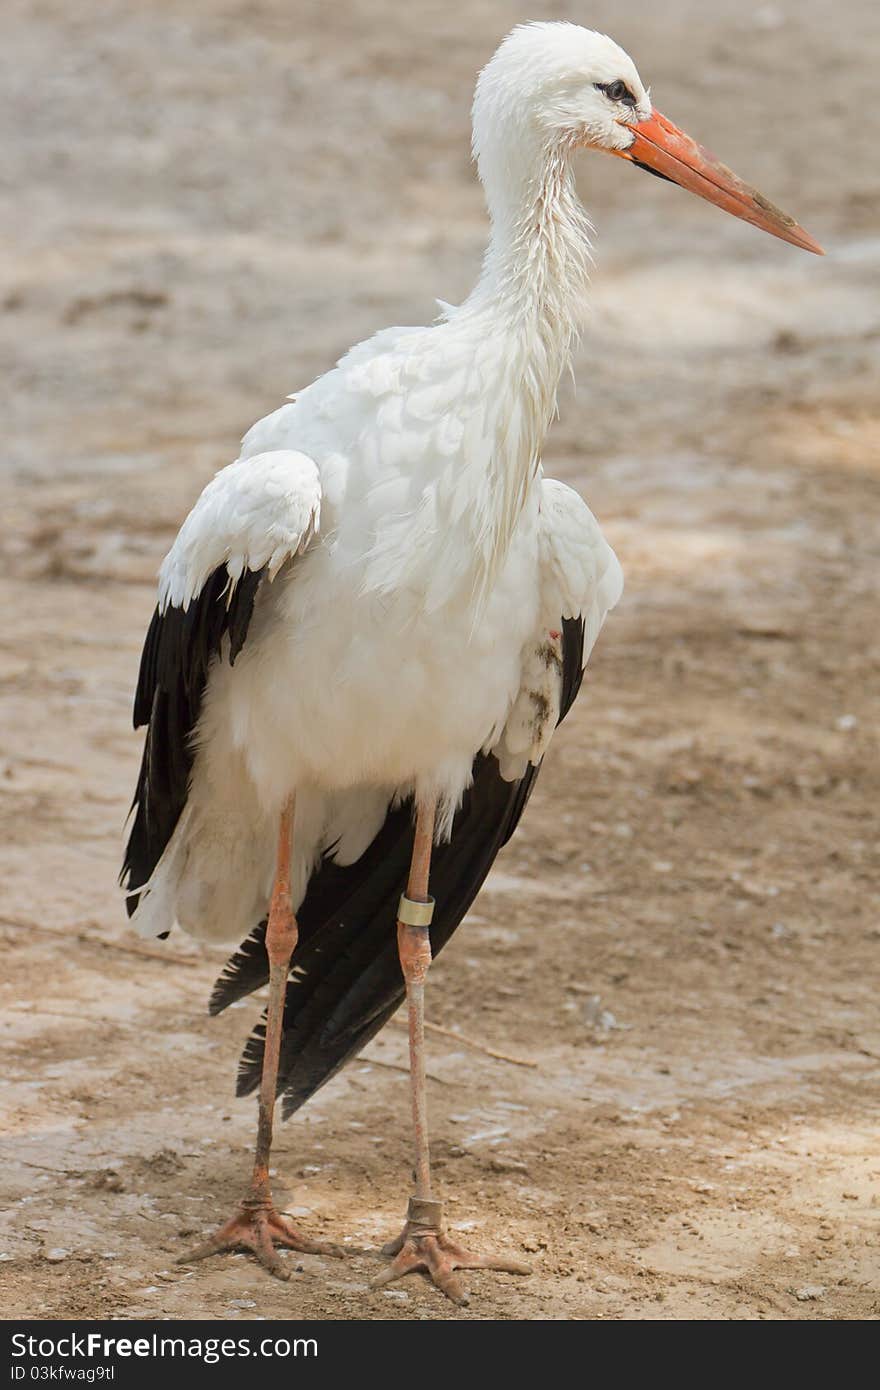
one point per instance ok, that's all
(335, 893)
(244, 972)
(346, 979)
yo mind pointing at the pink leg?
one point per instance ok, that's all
(257, 1226)
(423, 1244)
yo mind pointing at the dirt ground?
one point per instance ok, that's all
(205, 202)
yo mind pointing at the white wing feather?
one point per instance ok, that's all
(580, 577)
(259, 511)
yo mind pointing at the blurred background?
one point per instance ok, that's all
(205, 203)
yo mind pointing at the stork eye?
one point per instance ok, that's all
(617, 91)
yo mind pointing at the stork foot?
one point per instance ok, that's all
(258, 1227)
(424, 1245)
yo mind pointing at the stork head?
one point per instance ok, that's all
(552, 88)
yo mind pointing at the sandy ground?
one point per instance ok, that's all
(204, 204)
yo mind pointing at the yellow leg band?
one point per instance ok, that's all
(414, 914)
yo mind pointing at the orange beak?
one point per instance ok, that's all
(661, 148)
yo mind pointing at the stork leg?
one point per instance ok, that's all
(257, 1226)
(424, 1244)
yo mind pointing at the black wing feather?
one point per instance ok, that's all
(345, 976)
(178, 651)
(572, 664)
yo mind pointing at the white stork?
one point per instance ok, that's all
(375, 619)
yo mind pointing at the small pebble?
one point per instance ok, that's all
(507, 1165)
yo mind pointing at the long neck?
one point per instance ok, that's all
(498, 360)
(536, 267)
(525, 311)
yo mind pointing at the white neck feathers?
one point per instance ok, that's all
(525, 313)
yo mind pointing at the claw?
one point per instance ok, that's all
(438, 1256)
(259, 1228)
